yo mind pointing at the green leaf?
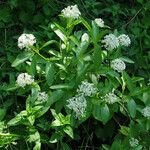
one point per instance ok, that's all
(95, 32)
(7, 138)
(126, 59)
(86, 24)
(33, 65)
(125, 130)
(56, 123)
(138, 91)
(55, 137)
(128, 81)
(59, 32)
(60, 120)
(74, 40)
(35, 90)
(145, 98)
(22, 57)
(2, 113)
(48, 43)
(62, 86)
(105, 147)
(31, 119)
(37, 146)
(101, 113)
(67, 129)
(65, 147)
(81, 49)
(140, 1)
(139, 147)
(20, 118)
(116, 145)
(2, 126)
(35, 137)
(49, 73)
(97, 57)
(131, 105)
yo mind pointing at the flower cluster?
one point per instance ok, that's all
(110, 42)
(85, 38)
(24, 79)
(42, 97)
(146, 112)
(26, 40)
(78, 104)
(87, 88)
(118, 65)
(99, 22)
(71, 12)
(124, 40)
(133, 142)
(110, 98)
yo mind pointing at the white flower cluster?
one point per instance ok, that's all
(118, 65)
(87, 89)
(85, 38)
(42, 97)
(26, 40)
(133, 142)
(110, 98)
(111, 42)
(124, 40)
(78, 104)
(71, 12)
(99, 22)
(146, 112)
(24, 79)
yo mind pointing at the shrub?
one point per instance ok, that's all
(75, 84)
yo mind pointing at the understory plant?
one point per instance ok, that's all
(78, 74)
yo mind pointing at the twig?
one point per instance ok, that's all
(133, 17)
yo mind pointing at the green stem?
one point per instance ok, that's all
(125, 110)
(47, 59)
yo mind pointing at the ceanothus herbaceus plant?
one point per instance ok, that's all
(80, 73)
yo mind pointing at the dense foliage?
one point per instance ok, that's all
(76, 84)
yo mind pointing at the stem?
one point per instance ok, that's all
(125, 110)
(47, 59)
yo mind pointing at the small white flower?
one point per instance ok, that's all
(71, 12)
(42, 96)
(146, 112)
(124, 40)
(118, 65)
(99, 22)
(110, 98)
(87, 88)
(63, 46)
(110, 42)
(133, 142)
(24, 79)
(78, 104)
(85, 38)
(26, 40)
